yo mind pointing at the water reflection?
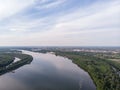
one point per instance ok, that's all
(47, 72)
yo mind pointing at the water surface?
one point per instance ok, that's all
(47, 72)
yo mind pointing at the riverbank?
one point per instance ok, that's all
(100, 70)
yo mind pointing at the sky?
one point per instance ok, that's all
(59, 22)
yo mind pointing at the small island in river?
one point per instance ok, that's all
(7, 58)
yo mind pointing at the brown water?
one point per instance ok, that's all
(47, 72)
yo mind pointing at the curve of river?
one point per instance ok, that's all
(47, 72)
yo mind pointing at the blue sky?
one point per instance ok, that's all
(59, 22)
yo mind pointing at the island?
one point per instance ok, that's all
(7, 58)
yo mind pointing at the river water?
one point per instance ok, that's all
(47, 72)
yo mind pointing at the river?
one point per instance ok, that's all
(47, 72)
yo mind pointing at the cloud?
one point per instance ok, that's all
(45, 4)
(95, 24)
(9, 8)
(105, 17)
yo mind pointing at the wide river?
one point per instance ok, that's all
(47, 72)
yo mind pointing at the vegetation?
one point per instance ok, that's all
(7, 61)
(105, 73)
(101, 66)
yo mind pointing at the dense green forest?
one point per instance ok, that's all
(105, 73)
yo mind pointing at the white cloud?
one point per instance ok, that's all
(43, 4)
(97, 24)
(74, 29)
(104, 17)
(12, 7)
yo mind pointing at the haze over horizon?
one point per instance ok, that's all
(59, 22)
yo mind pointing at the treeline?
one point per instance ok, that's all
(101, 70)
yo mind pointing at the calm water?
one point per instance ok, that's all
(47, 72)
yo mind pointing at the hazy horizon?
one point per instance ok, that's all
(60, 23)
